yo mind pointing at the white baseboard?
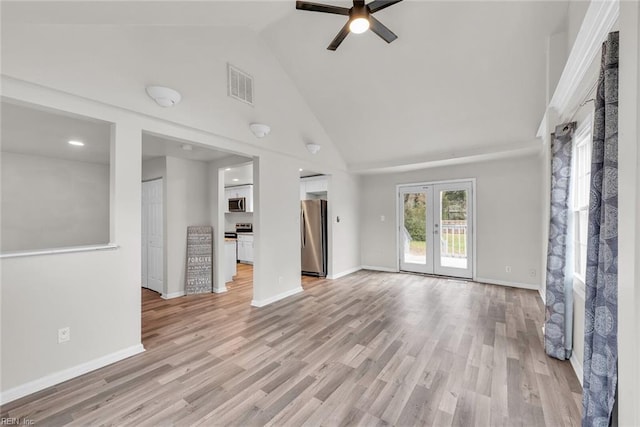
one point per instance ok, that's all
(67, 374)
(219, 289)
(505, 283)
(374, 268)
(577, 366)
(344, 273)
(271, 300)
(173, 295)
(543, 296)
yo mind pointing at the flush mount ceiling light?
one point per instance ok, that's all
(360, 18)
(259, 130)
(164, 96)
(313, 148)
(76, 143)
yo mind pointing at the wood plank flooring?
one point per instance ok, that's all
(368, 349)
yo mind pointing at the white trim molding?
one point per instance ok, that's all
(219, 289)
(599, 20)
(57, 251)
(344, 273)
(375, 268)
(278, 297)
(530, 286)
(577, 366)
(173, 295)
(67, 374)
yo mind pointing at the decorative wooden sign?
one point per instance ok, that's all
(199, 260)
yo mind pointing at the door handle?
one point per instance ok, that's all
(303, 237)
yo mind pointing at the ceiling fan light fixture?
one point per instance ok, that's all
(359, 25)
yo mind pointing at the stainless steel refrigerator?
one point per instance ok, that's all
(313, 237)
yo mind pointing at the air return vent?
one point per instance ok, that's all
(240, 84)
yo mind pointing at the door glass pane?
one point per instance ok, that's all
(453, 228)
(414, 233)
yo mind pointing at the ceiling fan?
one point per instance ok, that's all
(360, 18)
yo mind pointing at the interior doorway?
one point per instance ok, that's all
(435, 232)
(152, 235)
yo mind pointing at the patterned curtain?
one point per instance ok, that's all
(558, 324)
(601, 305)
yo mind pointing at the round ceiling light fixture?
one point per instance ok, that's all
(164, 96)
(359, 25)
(259, 130)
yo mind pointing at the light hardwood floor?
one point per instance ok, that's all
(368, 349)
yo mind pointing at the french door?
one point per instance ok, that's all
(436, 228)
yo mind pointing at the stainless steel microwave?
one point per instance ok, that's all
(238, 204)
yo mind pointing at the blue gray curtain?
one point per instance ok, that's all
(558, 326)
(601, 305)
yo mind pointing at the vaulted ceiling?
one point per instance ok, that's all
(464, 78)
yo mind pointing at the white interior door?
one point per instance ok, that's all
(152, 236)
(436, 229)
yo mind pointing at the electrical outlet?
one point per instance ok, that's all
(64, 335)
(532, 272)
(507, 269)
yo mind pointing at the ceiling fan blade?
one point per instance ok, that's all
(340, 37)
(316, 7)
(380, 29)
(377, 5)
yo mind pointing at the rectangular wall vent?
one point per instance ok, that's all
(240, 84)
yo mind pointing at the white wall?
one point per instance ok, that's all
(187, 203)
(101, 291)
(276, 223)
(232, 218)
(344, 236)
(154, 168)
(53, 203)
(508, 209)
(629, 216)
(96, 294)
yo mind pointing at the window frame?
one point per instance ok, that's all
(580, 185)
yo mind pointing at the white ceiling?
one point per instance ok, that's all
(161, 146)
(461, 75)
(463, 78)
(26, 130)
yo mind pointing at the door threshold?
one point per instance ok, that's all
(437, 276)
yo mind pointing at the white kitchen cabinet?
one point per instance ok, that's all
(245, 191)
(245, 248)
(230, 268)
(314, 185)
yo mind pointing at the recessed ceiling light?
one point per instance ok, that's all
(235, 179)
(300, 170)
(76, 143)
(227, 169)
(186, 147)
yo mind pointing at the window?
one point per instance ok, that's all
(580, 194)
